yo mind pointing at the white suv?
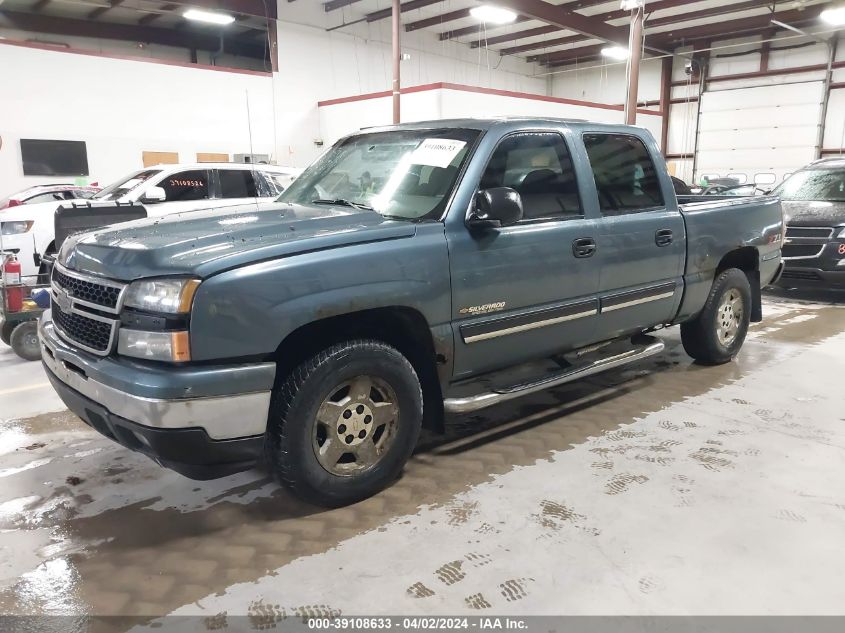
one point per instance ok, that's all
(163, 189)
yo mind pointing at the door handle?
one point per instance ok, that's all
(663, 237)
(584, 247)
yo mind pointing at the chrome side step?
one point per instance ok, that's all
(645, 346)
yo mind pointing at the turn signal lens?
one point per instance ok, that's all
(172, 347)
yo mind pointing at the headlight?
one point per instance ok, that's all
(172, 296)
(16, 227)
(841, 235)
(173, 347)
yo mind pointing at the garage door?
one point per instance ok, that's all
(758, 134)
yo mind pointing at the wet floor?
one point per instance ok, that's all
(666, 487)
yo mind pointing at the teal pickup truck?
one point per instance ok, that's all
(410, 272)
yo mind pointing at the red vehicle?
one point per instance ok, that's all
(48, 193)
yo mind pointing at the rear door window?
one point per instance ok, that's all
(237, 183)
(186, 185)
(626, 178)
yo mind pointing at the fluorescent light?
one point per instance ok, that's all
(615, 52)
(834, 16)
(198, 15)
(493, 15)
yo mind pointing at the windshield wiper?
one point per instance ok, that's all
(343, 203)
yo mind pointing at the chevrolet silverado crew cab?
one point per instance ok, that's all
(410, 272)
(813, 202)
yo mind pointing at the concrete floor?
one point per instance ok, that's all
(665, 488)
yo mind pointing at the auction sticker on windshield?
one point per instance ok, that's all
(436, 152)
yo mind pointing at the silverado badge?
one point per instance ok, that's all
(487, 308)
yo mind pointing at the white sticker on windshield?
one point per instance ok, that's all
(436, 152)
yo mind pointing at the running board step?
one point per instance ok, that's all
(644, 346)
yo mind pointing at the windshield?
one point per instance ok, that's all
(824, 185)
(120, 188)
(404, 174)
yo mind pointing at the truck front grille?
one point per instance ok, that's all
(100, 294)
(89, 333)
(86, 309)
(802, 250)
(819, 232)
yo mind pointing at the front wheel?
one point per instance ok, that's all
(343, 424)
(716, 335)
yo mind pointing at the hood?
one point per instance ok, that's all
(205, 242)
(39, 211)
(801, 213)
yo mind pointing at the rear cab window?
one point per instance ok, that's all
(625, 175)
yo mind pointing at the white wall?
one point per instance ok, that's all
(606, 83)
(121, 108)
(316, 65)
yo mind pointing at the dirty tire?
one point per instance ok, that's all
(6, 332)
(700, 336)
(293, 418)
(24, 341)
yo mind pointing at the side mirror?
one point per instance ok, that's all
(495, 208)
(153, 195)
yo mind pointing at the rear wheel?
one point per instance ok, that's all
(344, 423)
(24, 341)
(716, 335)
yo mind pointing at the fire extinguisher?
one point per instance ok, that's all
(12, 282)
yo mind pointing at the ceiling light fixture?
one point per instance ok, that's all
(493, 15)
(615, 52)
(834, 16)
(209, 17)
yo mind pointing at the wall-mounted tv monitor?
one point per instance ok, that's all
(42, 157)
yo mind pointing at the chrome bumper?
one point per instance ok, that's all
(222, 417)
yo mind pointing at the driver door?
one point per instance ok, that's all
(527, 290)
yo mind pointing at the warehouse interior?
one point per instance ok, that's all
(666, 486)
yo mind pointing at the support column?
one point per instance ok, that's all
(635, 53)
(665, 102)
(397, 60)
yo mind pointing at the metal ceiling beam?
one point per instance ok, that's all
(475, 29)
(93, 15)
(510, 37)
(337, 4)
(558, 41)
(129, 32)
(659, 5)
(561, 16)
(258, 8)
(437, 20)
(679, 37)
(375, 16)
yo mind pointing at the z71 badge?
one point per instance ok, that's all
(487, 308)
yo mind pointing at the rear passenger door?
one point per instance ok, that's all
(525, 291)
(237, 186)
(641, 237)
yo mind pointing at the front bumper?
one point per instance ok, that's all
(203, 422)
